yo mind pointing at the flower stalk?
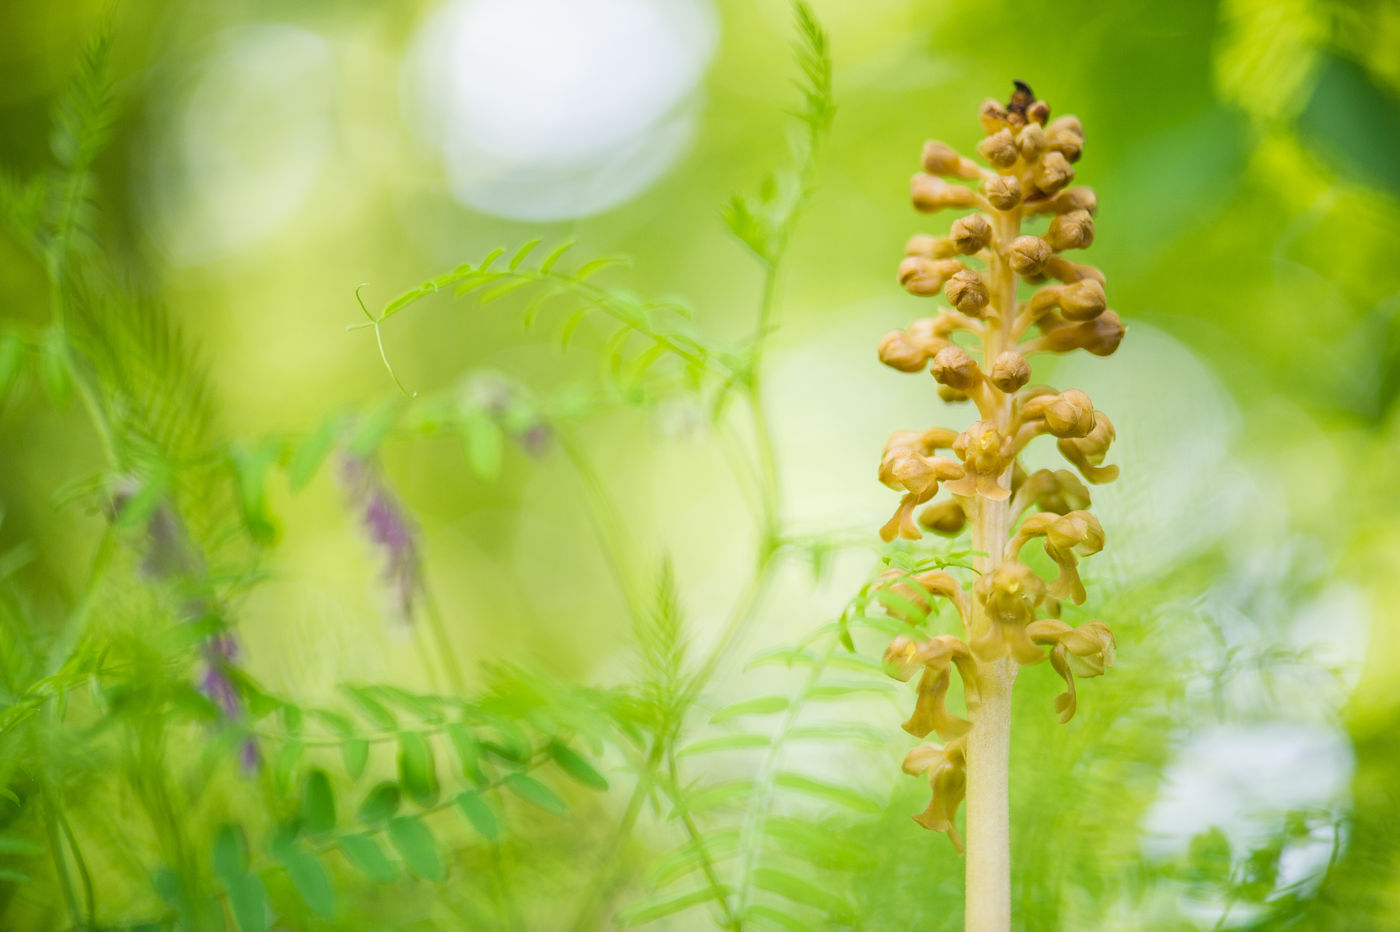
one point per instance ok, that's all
(979, 350)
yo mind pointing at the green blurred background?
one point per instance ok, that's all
(269, 157)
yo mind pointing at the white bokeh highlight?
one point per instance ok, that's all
(553, 109)
(242, 150)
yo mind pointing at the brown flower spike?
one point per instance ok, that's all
(1017, 221)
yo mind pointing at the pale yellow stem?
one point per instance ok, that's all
(988, 895)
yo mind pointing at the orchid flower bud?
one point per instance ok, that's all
(954, 368)
(1003, 191)
(970, 234)
(930, 193)
(929, 247)
(1070, 414)
(999, 149)
(925, 277)
(940, 159)
(1030, 142)
(967, 292)
(1073, 230)
(1010, 371)
(1052, 173)
(898, 351)
(946, 518)
(1029, 254)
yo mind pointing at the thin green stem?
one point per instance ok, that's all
(610, 868)
(732, 919)
(60, 860)
(438, 625)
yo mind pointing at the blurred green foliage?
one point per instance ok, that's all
(490, 672)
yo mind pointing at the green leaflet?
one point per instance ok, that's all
(658, 908)
(318, 804)
(417, 768)
(365, 855)
(480, 814)
(735, 742)
(417, 847)
(535, 793)
(309, 877)
(765, 705)
(381, 803)
(830, 792)
(575, 766)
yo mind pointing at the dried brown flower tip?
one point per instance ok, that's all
(999, 149)
(1003, 191)
(925, 277)
(1052, 173)
(899, 352)
(970, 234)
(954, 368)
(930, 193)
(1010, 371)
(1073, 230)
(1021, 98)
(967, 292)
(946, 518)
(1028, 255)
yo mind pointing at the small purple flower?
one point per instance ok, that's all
(219, 653)
(506, 403)
(171, 557)
(389, 528)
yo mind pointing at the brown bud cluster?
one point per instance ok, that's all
(1010, 614)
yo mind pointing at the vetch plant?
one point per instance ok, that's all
(979, 350)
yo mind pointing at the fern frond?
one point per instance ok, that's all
(647, 330)
(763, 221)
(812, 51)
(153, 380)
(82, 126)
(22, 208)
(83, 116)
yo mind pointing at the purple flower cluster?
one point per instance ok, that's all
(389, 529)
(171, 557)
